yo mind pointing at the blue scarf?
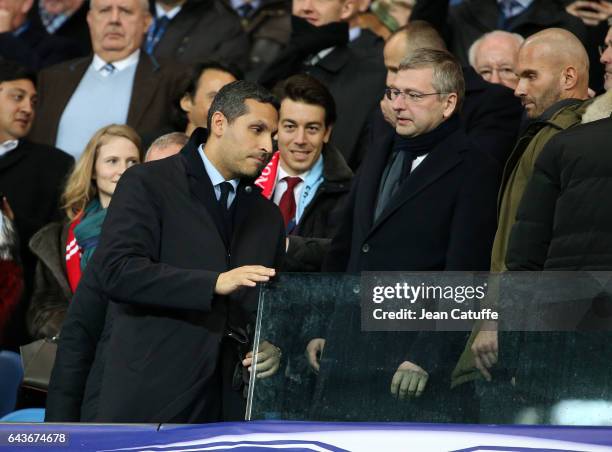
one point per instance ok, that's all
(87, 232)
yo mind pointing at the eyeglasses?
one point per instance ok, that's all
(410, 96)
(604, 47)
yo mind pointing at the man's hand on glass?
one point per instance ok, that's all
(314, 351)
(409, 381)
(485, 349)
(246, 276)
(267, 359)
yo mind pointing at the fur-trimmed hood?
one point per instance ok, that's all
(600, 108)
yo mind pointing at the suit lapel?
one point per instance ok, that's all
(144, 87)
(368, 193)
(199, 182)
(12, 157)
(439, 162)
(246, 197)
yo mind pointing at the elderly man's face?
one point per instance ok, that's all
(495, 60)
(323, 12)
(117, 27)
(606, 60)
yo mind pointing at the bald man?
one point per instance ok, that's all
(553, 77)
(490, 114)
(494, 57)
(166, 146)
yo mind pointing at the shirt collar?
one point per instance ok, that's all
(281, 174)
(215, 176)
(8, 146)
(130, 60)
(160, 12)
(238, 3)
(523, 3)
(354, 33)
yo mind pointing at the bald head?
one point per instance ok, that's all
(166, 146)
(552, 65)
(416, 35)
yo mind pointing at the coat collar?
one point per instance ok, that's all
(201, 186)
(444, 157)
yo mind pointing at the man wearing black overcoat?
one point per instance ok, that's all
(185, 241)
(424, 201)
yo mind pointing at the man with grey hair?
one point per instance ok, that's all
(427, 169)
(124, 84)
(494, 56)
(166, 146)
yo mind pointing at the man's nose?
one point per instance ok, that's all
(495, 76)
(520, 88)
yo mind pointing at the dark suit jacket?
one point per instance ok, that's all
(152, 96)
(464, 23)
(32, 177)
(75, 28)
(357, 84)
(491, 115)
(442, 218)
(159, 257)
(37, 49)
(204, 29)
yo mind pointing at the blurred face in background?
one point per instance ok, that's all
(61, 6)
(17, 102)
(495, 60)
(115, 156)
(196, 107)
(323, 12)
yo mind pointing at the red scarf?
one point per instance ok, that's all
(73, 256)
(267, 180)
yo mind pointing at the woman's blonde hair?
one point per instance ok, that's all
(80, 187)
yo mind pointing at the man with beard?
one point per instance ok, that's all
(553, 71)
(185, 241)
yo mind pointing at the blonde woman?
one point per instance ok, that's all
(63, 249)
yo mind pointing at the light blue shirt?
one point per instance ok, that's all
(216, 178)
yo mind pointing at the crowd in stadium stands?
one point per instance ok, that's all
(385, 135)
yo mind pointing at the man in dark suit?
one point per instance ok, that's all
(31, 176)
(424, 201)
(23, 41)
(319, 47)
(491, 115)
(185, 241)
(194, 30)
(64, 18)
(124, 84)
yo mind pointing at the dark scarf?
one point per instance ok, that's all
(405, 151)
(87, 232)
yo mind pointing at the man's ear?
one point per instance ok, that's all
(186, 103)
(450, 105)
(569, 79)
(328, 133)
(349, 9)
(148, 20)
(218, 124)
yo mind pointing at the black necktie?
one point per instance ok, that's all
(226, 189)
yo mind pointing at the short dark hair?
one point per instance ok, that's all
(10, 70)
(230, 100)
(191, 83)
(307, 89)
